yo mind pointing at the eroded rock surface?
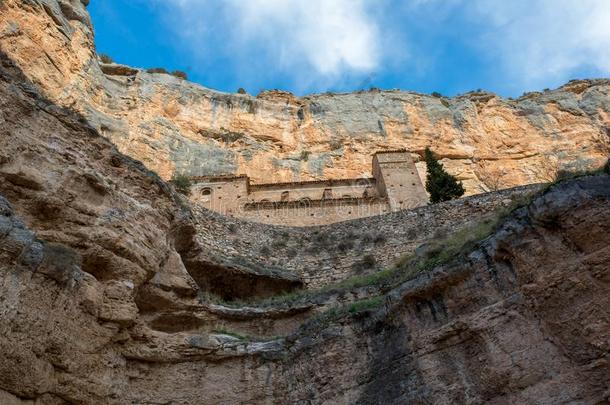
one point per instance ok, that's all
(99, 303)
(112, 287)
(172, 125)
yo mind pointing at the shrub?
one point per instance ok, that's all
(105, 58)
(379, 239)
(366, 263)
(369, 261)
(345, 245)
(182, 183)
(365, 305)
(441, 185)
(230, 136)
(336, 144)
(241, 90)
(157, 70)
(180, 74)
(305, 155)
(437, 94)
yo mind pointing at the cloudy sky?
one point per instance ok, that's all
(309, 46)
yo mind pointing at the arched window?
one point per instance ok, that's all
(304, 202)
(285, 196)
(206, 191)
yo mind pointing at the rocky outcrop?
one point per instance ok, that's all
(113, 289)
(172, 125)
(520, 319)
(99, 303)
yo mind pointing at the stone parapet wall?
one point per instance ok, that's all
(314, 212)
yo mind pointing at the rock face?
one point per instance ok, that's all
(113, 289)
(172, 125)
(102, 298)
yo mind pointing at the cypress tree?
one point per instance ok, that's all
(441, 185)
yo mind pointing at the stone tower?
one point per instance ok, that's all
(398, 180)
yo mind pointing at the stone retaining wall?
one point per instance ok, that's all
(330, 253)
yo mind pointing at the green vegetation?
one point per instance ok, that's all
(365, 305)
(182, 183)
(230, 333)
(105, 58)
(437, 94)
(241, 90)
(441, 185)
(231, 136)
(180, 74)
(158, 70)
(305, 155)
(335, 144)
(177, 73)
(223, 134)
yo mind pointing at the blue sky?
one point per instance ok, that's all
(311, 46)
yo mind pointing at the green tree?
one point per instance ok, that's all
(441, 185)
(182, 183)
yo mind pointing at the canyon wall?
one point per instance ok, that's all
(172, 125)
(114, 290)
(104, 296)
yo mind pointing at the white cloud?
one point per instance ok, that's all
(538, 40)
(328, 34)
(315, 39)
(317, 44)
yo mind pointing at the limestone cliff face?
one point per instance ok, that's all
(172, 125)
(106, 292)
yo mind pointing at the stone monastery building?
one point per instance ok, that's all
(395, 186)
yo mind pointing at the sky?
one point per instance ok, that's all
(312, 46)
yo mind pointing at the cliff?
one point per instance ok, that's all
(112, 292)
(114, 289)
(172, 125)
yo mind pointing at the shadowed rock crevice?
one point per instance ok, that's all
(231, 282)
(393, 375)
